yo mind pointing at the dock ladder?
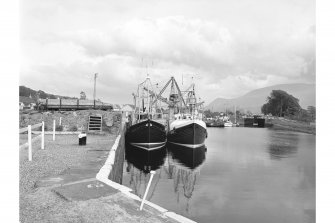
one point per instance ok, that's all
(95, 123)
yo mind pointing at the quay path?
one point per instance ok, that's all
(75, 195)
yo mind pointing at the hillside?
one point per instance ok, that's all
(254, 100)
(26, 92)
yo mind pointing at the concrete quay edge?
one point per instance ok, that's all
(103, 177)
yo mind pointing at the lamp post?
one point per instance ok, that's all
(95, 80)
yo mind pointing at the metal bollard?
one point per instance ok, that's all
(152, 173)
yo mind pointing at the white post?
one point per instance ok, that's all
(147, 189)
(60, 120)
(30, 155)
(42, 136)
(54, 131)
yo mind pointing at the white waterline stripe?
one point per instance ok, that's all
(189, 145)
(146, 148)
(103, 177)
(151, 143)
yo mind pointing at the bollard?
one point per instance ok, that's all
(60, 120)
(42, 136)
(54, 131)
(30, 155)
(147, 189)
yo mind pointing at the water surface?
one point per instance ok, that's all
(245, 175)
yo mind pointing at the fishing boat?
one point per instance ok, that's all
(187, 129)
(148, 131)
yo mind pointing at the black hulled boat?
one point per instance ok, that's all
(188, 129)
(188, 133)
(147, 132)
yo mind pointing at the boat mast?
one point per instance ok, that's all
(235, 113)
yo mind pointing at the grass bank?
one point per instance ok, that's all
(292, 125)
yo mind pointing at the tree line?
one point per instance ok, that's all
(282, 104)
(27, 92)
(279, 103)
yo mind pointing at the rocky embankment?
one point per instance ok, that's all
(70, 120)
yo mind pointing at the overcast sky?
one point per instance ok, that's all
(229, 47)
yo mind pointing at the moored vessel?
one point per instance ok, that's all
(188, 129)
(147, 131)
(189, 133)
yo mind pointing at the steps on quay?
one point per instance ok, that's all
(95, 123)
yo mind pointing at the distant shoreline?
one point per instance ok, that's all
(292, 125)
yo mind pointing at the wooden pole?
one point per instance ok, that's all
(147, 189)
(42, 135)
(30, 155)
(54, 131)
(94, 92)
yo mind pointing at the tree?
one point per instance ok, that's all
(280, 103)
(311, 111)
(82, 96)
(249, 113)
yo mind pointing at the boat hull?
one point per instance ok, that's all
(228, 124)
(191, 135)
(147, 135)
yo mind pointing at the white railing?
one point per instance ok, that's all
(31, 140)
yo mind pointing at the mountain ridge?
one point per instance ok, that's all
(254, 99)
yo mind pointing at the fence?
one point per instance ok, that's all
(31, 140)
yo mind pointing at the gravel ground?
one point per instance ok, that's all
(58, 156)
(41, 204)
(46, 206)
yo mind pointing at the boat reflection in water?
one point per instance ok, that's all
(184, 165)
(139, 163)
(186, 157)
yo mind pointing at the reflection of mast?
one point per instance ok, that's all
(136, 180)
(185, 177)
(185, 164)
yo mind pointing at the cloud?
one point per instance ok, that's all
(228, 57)
(179, 40)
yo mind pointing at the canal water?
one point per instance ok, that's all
(247, 175)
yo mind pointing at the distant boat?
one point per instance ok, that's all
(147, 132)
(228, 124)
(214, 123)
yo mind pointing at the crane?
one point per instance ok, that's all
(171, 99)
